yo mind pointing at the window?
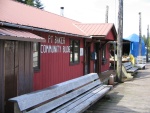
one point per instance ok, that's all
(74, 51)
(36, 56)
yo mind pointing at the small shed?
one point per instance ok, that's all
(134, 45)
(16, 64)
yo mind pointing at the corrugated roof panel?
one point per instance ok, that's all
(34, 17)
(95, 29)
(18, 13)
(13, 34)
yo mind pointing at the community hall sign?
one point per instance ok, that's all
(55, 44)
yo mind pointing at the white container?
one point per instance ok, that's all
(111, 79)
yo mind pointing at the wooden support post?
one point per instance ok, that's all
(119, 42)
(16, 108)
(114, 44)
(147, 42)
(140, 45)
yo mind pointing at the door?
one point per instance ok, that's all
(87, 58)
(10, 80)
(96, 62)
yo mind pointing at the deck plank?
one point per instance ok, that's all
(129, 97)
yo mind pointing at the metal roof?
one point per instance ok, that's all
(22, 14)
(21, 35)
(100, 29)
(19, 14)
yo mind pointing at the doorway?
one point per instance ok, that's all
(96, 62)
(87, 57)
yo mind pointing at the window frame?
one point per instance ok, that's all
(37, 68)
(72, 51)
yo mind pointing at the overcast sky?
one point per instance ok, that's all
(93, 11)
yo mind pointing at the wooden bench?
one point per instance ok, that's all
(128, 69)
(141, 62)
(73, 96)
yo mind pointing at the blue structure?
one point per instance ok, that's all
(134, 45)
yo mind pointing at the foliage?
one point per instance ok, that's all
(38, 4)
(35, 3)
(147, 41)
(30, 2)
(144, 38)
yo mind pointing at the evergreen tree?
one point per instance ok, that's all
(30, 2)
(38, 4)
(22, 1)
(147, 42)
(35, 3)
(145, 39)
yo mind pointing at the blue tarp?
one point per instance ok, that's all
(134, 45)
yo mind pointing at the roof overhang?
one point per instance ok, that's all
(97, 36)
(20, 35)
(18, 26)
(100, 37)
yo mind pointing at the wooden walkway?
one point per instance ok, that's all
(128, 97)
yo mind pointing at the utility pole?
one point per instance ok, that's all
(147, 42)
(140, 45)
(106, 16)
(119, 42)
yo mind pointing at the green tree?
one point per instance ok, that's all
(35, 3)
(22, 1)
(147, 41)
(30, 2)
(144, 38)
(38, 4)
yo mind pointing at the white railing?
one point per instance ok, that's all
(141, 60)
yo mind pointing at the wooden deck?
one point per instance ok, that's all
(104, 77)
(129, 97)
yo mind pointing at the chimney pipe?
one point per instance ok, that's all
(62, 11)
(106, 15)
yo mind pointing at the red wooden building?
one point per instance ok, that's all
(71, 49)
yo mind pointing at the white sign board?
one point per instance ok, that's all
(81, 51)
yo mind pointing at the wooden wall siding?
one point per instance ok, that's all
(28, 72)
(21, 72)
(55, 67)
(25, 71)
(16, 64)
(1, 76)
(110, 36)
(105, 67)
(18, 76)
(31, 67)
(9, 74)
